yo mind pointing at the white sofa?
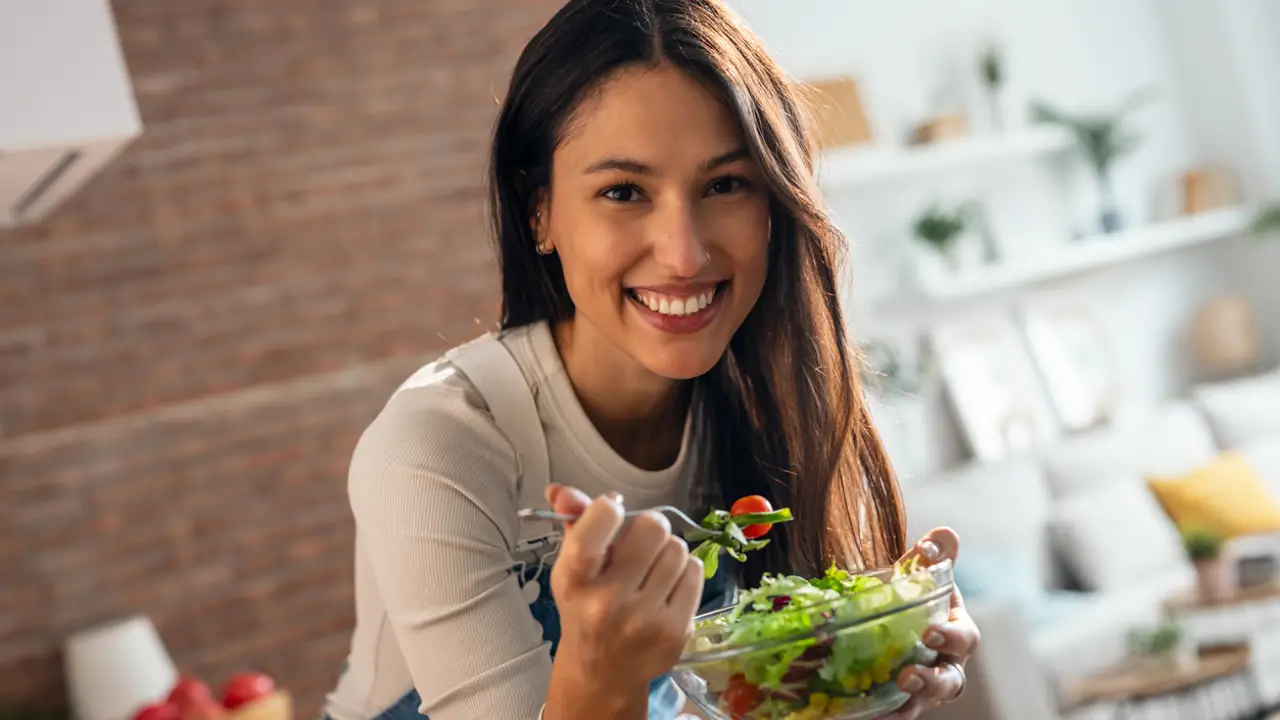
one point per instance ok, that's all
(1079, 515)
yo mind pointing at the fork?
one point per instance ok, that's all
(674, 512)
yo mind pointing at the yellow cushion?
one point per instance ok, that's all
(1225, 497)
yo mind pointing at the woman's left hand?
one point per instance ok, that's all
(955, 640)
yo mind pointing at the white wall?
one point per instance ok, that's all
(912, 57)
(1228, 54)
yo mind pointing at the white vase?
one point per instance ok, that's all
(114, 669)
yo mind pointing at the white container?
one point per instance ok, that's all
(115, 669)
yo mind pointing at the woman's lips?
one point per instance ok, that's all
(679, 309)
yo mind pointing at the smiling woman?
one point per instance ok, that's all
(661, 217)
(672, 331)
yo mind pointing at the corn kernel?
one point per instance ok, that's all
(880, 670)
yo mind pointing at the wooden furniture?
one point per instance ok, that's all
(1129, 682)
(1222, 677)
(1189, 601)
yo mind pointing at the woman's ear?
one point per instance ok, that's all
(540, 225)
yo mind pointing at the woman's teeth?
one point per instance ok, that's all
(672, 305)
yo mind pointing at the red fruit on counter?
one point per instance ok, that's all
(188, 691)
(158, 711)
(204, 709)
(245, 687)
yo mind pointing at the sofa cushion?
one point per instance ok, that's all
(1172, 440)
(1242, 411)
(1009, 577)
(992, 507)
(1116, 537)
(1264, 457)
(1225, 497)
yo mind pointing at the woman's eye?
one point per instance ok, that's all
(621, 193)
(725, 185)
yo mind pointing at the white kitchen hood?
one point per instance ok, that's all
(66, 103)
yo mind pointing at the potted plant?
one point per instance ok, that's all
(1103, 139)
(1214, 578)
(940, 230)
(1267, 221)
(1164, 649)
(991, 67)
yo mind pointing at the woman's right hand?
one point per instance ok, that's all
(626, 597)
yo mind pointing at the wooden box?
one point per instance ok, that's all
(276, 706)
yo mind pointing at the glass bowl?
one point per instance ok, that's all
(837, 660)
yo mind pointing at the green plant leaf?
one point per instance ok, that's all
(1267, 221)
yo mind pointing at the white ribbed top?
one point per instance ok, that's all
(433, 489)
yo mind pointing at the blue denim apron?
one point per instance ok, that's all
(665, 701)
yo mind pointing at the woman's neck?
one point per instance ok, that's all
(640, 414)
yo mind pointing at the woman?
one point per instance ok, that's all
(671, 333)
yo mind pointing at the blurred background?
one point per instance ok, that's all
(228, 229)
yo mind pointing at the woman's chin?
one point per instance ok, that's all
(682, 363)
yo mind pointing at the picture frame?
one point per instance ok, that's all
(993, 385)
(1069, 345)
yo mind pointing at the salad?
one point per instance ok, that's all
(810, 649)
(737, 531)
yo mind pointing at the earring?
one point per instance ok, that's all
(544, 248)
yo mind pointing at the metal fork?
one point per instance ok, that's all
(674, 512)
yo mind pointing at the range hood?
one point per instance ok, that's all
(66, 103)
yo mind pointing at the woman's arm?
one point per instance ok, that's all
(432, 487)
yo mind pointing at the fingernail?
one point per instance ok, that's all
(913, 684)
(616, 497)
(550, 492)
(934, 639)
(929, 550)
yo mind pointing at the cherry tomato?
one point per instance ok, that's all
(750, 505)
(740, 698)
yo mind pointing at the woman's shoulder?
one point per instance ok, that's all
(437, 421)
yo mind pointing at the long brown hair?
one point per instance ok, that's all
(783, 408)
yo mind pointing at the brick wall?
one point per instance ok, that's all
(189, 347)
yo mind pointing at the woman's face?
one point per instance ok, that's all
(660, 218)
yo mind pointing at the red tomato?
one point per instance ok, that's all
(203, 709)
(740, 698)
(189, 691)
(158, 711)
(750, 505)
(245, 687)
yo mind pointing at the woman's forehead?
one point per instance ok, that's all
(660, 117)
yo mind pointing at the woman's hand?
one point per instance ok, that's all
(627, 597)
(955, 640)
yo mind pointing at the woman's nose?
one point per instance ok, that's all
(677, 244)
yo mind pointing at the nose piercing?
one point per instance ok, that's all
(707, 261)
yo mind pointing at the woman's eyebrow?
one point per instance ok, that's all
(632, 165)
(725, 158)
(620, 163)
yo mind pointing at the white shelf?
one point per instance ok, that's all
(1074, 258)
(863, 164)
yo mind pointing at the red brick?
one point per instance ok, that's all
(190, 346)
